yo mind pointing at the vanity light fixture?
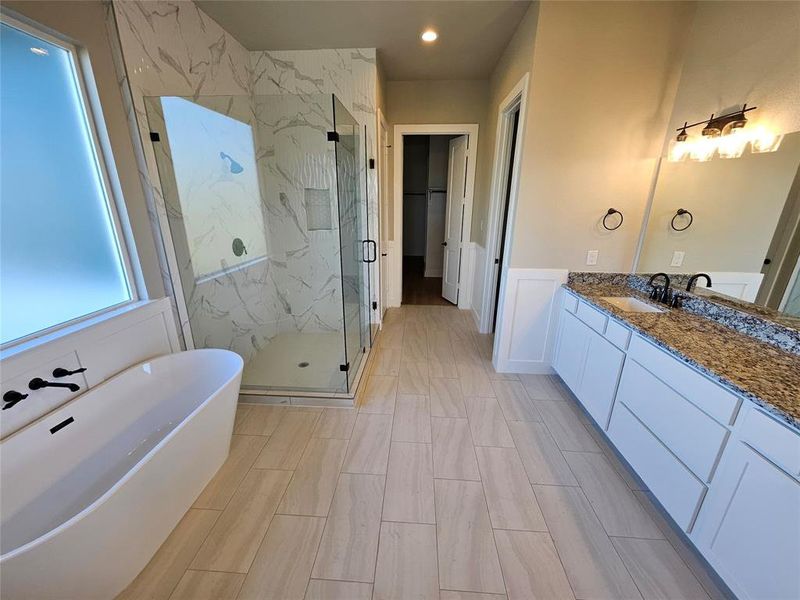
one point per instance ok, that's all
(724, 135)
(429, 35)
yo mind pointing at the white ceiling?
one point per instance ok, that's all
(472, 33)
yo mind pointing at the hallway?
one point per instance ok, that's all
(448, 478)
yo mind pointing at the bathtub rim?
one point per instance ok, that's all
(103, 498)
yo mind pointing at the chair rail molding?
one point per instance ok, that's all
(527, 322)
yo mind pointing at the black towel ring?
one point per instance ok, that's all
(680, 213)
(613, 211)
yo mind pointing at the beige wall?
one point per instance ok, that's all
(513, 64)
(747, 52)
(85, 23)
(602, 88)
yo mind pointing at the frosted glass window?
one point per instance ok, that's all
(60, 258)
(214, 161)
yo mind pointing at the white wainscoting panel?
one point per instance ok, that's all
(104, 345)
(465, 275)
(478, 275)
(527, 320)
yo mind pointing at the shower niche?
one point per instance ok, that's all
(266, 204)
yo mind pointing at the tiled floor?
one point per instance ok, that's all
(449, 481)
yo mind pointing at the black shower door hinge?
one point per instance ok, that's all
(154, 137)
(374, 306)
(345, 367)
(371, 163)
(333, 136)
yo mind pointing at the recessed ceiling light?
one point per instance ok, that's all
(40, 51)
(429, 35)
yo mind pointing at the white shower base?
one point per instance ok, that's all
(277, 365)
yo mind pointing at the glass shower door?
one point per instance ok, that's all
(355, 250)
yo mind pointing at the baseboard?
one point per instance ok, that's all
(527, 320)
(476, 318)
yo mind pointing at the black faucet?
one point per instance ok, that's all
(693, 281)
(38, 383)
(12, 397)
(660, 294)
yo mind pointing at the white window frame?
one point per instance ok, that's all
(104, 164)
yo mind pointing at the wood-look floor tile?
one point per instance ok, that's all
(286, 444)
(387, 362)
(494, 375)
(391, 336)
(509, 496)
(242, 410)
(474, 380)
(565, 427)
(159, 578)
(368, 451)
(657, 570)
(349, 545)
(235, 538)
(531, 567)
(414, 378)
(543, 461)
(379, 395)
(467, 556)
(514, 401)
(415, 346)
(406, 563)
(544, 387)
(613, 502)
(336, 423)
(412, 419)
(409, 484)
(321, 589)
(452, 595)
(593, 567)
(453, 452)
(282, 567)
(447, 400)
(439, 347)
(311, 489)
(208, 585)
(686, 553)
(260, 420)
(244, 450)
(487, 423)
(442, 370)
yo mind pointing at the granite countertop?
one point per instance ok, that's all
(767, 375)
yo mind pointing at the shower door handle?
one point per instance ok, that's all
(366, 245)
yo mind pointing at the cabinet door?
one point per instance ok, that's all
(571, 354)
(598, 386)
(749, 527)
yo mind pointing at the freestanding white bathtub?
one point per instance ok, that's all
(90, 491)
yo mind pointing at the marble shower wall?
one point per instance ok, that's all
(173, 48)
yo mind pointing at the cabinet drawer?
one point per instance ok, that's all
(777, 442)
(678, 490)
(690, 434)
(707, 395)
(618, 334)
(570, 302)
(592, 317)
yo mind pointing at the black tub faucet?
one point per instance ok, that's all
(660, 294)
(38, 383)
(693, 281)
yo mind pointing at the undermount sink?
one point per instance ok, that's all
(631, 304)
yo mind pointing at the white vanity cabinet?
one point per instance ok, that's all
(589, 363)
(727, 472)
(749, 525)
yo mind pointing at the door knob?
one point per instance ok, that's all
(444, 243)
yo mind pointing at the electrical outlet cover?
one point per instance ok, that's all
(591, 257)
(677, 258)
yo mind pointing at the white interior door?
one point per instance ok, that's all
(456, 191)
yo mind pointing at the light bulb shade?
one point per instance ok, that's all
(764, 140)
(678, 150)
(703, 149)
(733, 144)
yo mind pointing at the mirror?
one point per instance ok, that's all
(737, 219)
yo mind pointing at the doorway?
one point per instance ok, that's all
(434, 173)
(425, 190)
